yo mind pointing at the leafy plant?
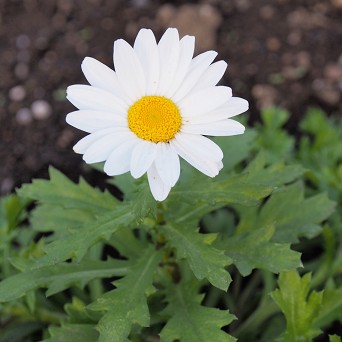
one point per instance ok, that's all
(83, 265)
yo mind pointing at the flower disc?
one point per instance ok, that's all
(154, 118)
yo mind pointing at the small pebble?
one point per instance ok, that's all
(17, 93)
(41, 109)
(23, 116)
(6, 186)
(21, 70)
(273, 44)
(266, 12)
(23, 42)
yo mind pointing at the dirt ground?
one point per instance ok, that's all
(282, 52)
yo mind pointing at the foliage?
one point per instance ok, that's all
(79, 264)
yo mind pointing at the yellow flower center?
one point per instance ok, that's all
(154, 118)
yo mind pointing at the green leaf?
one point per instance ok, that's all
(235, 189)
(255, 250)
(127, 304)
(290, 212)
(190, 321)
(299, 308)
(74, 333)
(59, 277)
(78, 313)
(11, 212)
(331, 308)
(205, 260)
(274, 175)
(78, 241)
(293, 215)
(60, 191)
(334, 338)
(47, 217)
(272, 139)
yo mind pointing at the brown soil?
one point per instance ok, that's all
(282, 52)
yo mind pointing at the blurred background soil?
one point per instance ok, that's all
(280, 52)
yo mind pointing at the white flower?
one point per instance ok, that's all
(157, 105)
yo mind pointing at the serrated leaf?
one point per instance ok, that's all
(57, 278)
(272, 139)
(255, 250)
(331, 308)
(61, 191)
(273, 175)
(290, 212)
(299, 308)
(74, 333)
(235, 189)
(205, 260)
(78, 241)
(334, 338)
(46, 218)
(127, 304)
(190, 321)
(293, 215)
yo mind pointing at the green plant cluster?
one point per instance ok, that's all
(79, 264)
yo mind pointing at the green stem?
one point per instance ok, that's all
(266, 309)
(213, 297)
(95, 286)
(325, 270)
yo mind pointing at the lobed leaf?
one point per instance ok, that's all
(190, 321)
(127, 304)
(205, 260)
(61, 191)
(57, 278)
(299, 309)
(254, 249)
(75, 244)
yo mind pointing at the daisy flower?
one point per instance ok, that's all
(159, 104)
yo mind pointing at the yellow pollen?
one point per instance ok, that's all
(154, 118)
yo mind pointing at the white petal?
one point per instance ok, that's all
(85, 142)
(220, 165)
(207, 166)
(217, 128)
(169, 49)
(167, 164)
(101, 149)
(200, 146)
(197, 67)
(103, 77)
(129, 70)
(145, 46)
(92, 120)
(204, 100)
(142, 157)
(158, 188)
(118, 161)
(187, 46)
(211, 76)
(88, 97)
(233, 107)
